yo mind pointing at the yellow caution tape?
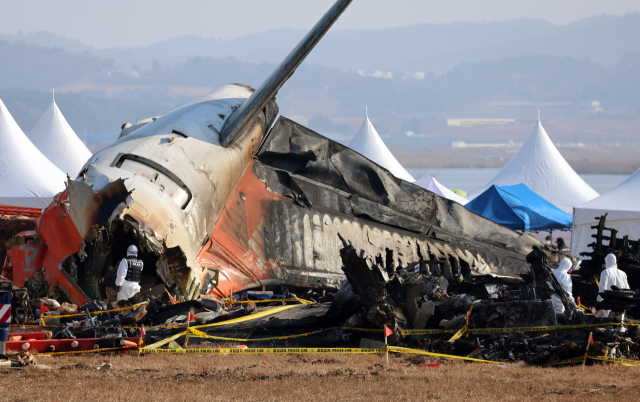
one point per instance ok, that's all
(154, 349)
(458, 334)
(407, 332)
(232, 351)
(614, 360)
(88, 351)
(312, 350)
(233, 321)
(95, 312)
(249, 317)
(200, 334)
(464, 329)
(174, 326)
(544, 328)
(422, 352)
(584, 308)
(165, 341)
(289, 299)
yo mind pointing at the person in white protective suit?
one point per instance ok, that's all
(129, 273)
(562, 274)
(611, 276)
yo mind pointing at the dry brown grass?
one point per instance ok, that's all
(309, 378)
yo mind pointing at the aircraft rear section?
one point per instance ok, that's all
(284, 223)
(267, 239)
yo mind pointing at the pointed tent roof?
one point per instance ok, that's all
(539, 165)
(27, 178)
(621, 202)
(622, 209)
(55, 138)
(434, 186)
(368, 143)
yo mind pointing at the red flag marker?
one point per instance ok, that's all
(387, 332)
(43, 308)
(143, 333)
(191, 317)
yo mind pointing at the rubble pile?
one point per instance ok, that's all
(421, 298)
(428, 305)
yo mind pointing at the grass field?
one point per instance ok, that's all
(309, 377)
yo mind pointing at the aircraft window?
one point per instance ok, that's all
(168, 184)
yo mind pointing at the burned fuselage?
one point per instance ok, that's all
(303, 195)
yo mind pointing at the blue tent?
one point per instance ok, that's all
(518, 207)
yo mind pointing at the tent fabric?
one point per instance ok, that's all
(519, 208)
(539, 166)
(434, 186)
(27, 178)
(55, 138)
(623, 213)
(368, 143)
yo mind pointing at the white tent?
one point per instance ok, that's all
(368, 143)
(539, 166)
(434, 186)
(621, 204)
(27, 178)
(55, 138)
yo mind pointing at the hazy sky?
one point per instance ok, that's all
(142, 22)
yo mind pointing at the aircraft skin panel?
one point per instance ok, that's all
(264, 238)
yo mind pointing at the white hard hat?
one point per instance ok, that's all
(132, 250)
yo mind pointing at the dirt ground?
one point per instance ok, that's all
(309, 377)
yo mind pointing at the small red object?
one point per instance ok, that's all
(191, 317)
(142, 332)
(266, 364)
(43, 308)
(129, 343)
(429, 365)
(387, 331)
(578, 299)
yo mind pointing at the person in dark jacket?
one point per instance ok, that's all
(562, 246)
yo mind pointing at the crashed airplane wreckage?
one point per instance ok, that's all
(270, 217)
(217, 205)
(220, 200)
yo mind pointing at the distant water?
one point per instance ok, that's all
(470, 180)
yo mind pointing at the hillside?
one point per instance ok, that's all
(418, 48)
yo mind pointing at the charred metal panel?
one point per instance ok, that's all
(268, 236)
(299, 150)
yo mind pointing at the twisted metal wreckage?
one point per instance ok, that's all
(220, 200)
